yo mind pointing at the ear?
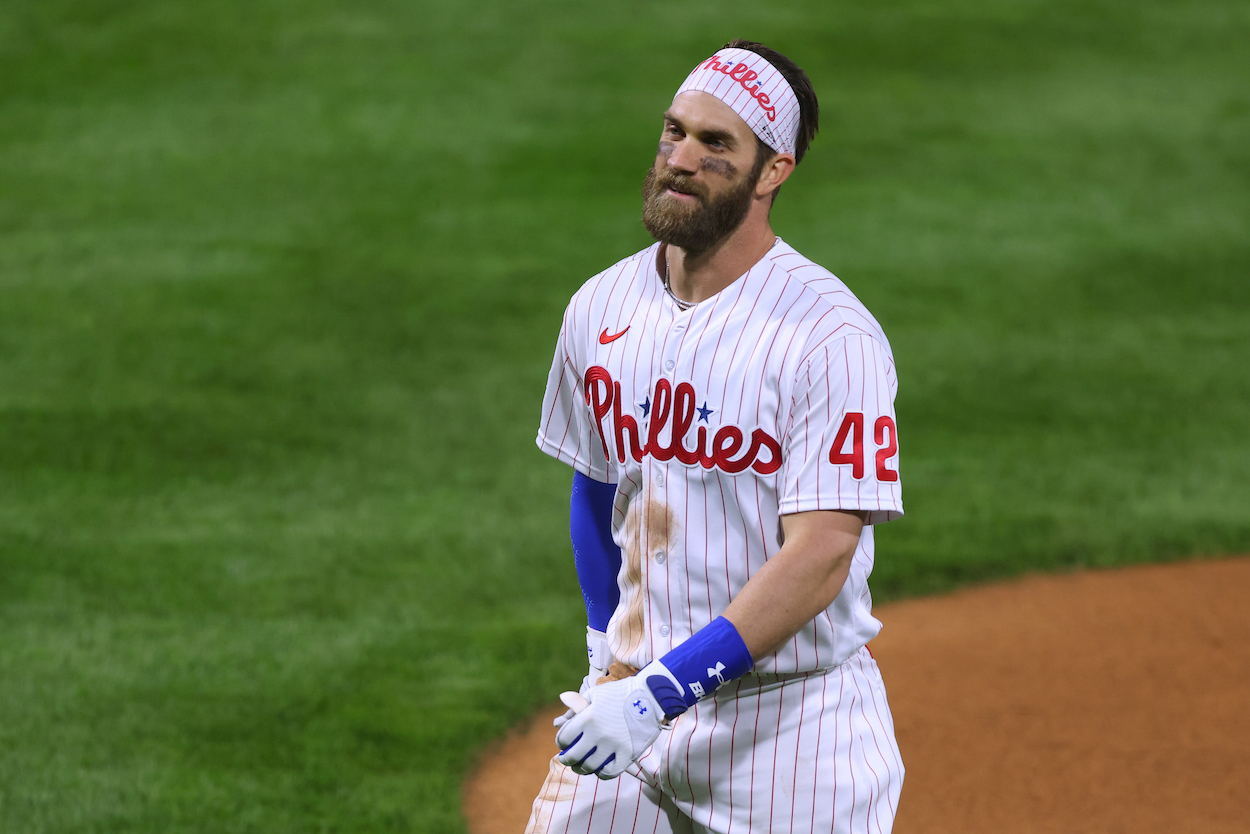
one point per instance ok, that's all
(776, 171)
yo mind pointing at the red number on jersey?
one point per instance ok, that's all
(885, 452)
(853, 422)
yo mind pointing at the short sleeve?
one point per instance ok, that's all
(566, 431)
(841, 447)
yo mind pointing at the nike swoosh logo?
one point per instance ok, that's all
(605, 339)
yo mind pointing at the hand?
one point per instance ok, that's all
(600, 658)
(576, 701)
(620, 723)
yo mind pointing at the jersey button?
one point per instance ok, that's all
(665, 630)
(659, 479)
(660, 556)
(669, 365)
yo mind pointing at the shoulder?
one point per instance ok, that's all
(626, 276)
(850, 310)
(839, 311)
(840, 332)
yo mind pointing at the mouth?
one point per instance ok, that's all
(685, 193)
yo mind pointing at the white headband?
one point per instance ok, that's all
(755, 90)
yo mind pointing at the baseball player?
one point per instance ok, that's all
(727, 406)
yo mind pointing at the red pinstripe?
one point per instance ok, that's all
(884, 722)
(841, 685)
(733, 738)
(859, 700)
(772, 810)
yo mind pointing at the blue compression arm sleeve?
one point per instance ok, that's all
(596, 556)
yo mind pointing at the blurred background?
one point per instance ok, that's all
(279, 286)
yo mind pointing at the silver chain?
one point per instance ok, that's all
(683, 305)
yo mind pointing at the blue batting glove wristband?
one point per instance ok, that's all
(698, 667)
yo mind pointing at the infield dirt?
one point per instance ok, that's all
(1099, 701)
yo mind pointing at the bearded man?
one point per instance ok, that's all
(728, 408)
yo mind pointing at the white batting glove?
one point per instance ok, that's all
(600, 657)
(621, 722)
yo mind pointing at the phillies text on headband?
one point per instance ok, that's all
(755, 90)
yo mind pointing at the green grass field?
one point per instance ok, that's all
(280, 282)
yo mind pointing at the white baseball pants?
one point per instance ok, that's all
(783, 753)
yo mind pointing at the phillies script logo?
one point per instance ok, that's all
(675, 407)
(744, 75)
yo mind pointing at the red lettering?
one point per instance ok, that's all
(598, 385)
(597, 379)
(674, 408)
(853, 422)
(683, 417)
(886, 452)
(725, 445)
(625, 425)
(706, 460)
(760, 439)
(662, 403)
(744, 76)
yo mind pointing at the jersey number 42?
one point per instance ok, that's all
(852, 429)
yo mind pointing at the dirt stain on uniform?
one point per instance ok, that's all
(559, 786)
(649, 527)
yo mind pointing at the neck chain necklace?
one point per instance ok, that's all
(682, 305)
(686, 305)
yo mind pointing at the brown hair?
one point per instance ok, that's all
(809, 108)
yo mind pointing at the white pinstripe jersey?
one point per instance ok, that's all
(775, 396)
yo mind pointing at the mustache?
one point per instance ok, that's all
(680, 183)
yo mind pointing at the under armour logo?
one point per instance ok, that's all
(716, 673)
(640, 707)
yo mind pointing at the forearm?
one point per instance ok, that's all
(793, 587)
(799, 582)
(595, 555)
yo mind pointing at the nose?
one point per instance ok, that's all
(684, 157)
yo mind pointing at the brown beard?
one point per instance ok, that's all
(699, 227)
